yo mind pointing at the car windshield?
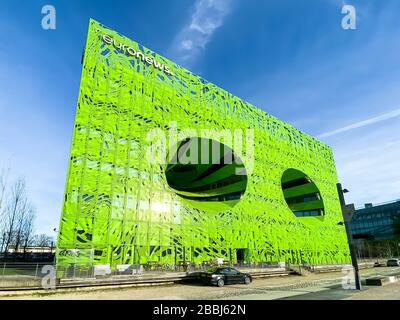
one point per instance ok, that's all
(212, 270)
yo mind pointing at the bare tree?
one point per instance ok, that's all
(27, 229)
(24, 225)
(43, 240)
(3, 191)
(16, 204)
(17, 214)
(19, 222)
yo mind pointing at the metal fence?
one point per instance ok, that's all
(29, 273)
(76, 271)
(19, 274)
(22, 274)
(22, 269)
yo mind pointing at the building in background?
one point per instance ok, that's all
(276, 200)
(376, 229)
(32, 249)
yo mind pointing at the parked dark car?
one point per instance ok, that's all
(225, 275)
(393, 262)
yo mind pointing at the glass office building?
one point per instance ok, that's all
(377, 222)
(269, 193)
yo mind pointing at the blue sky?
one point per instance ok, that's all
(290, 58)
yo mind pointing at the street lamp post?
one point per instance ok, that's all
(347, 213)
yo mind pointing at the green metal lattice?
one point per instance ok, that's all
(118, 207)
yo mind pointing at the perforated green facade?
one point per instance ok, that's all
(118, 207)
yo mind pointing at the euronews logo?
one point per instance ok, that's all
(137, 54)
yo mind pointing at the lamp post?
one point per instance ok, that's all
(347, 211)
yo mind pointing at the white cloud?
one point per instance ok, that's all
(360, 124)
(187, 44)
(207, 17)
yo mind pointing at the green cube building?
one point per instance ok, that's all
(275, 200)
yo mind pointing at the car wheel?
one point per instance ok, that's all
(247, 280)
(220, 282)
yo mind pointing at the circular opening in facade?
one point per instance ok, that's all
(207, 174)
(301, 194)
